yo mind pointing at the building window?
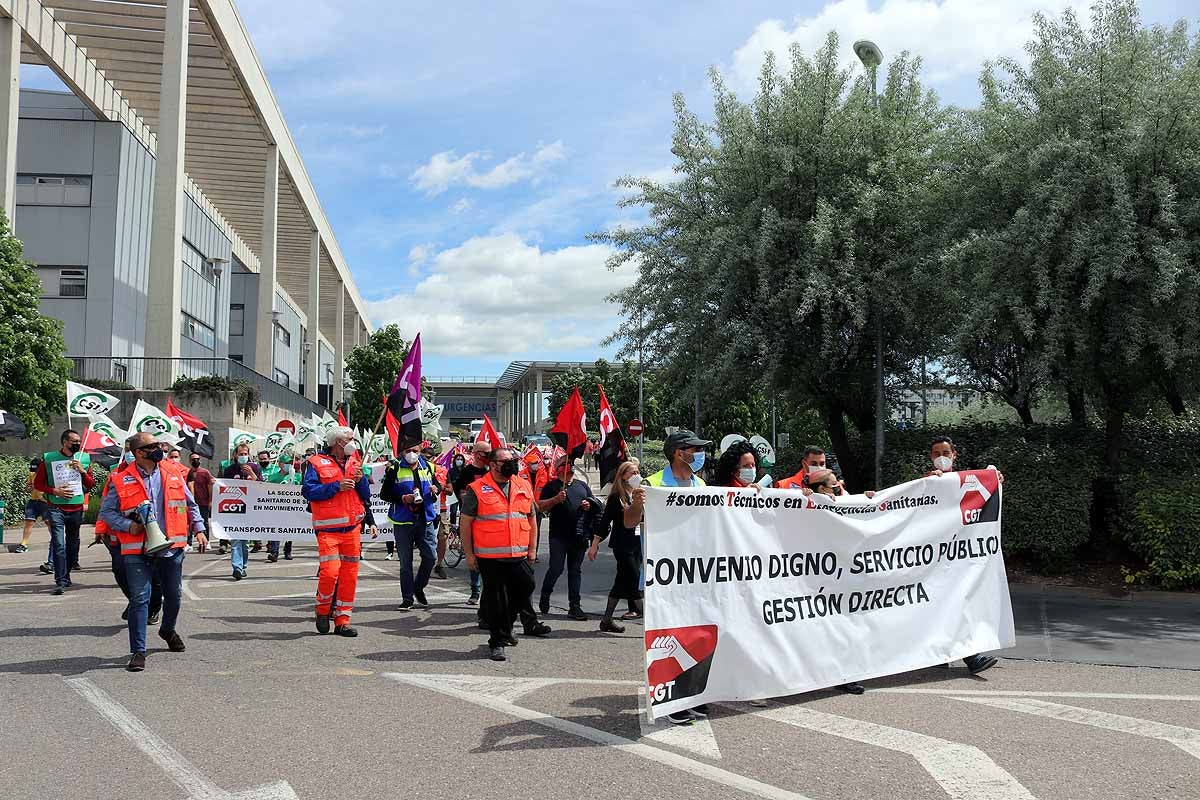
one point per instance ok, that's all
(120, 372)
(198, 263)
(237, 319)
(54, 190)
(63, 282)
(282, 378)
(198, 332)
(283, 335)
(237, 358)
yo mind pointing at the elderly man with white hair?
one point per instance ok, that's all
(339, 496)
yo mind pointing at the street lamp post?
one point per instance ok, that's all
(871, 57)
(275, 315)
(218, 265)
(641, 417)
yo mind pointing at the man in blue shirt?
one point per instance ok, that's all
(142, 568)
(412, 490)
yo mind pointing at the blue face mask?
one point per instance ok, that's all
(243, 459)
(697, 461)
(129, 457)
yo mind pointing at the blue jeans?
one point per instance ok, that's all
(118, 571)
(476, 581)
(427, 543)
(273, 547)
(140, 572)
(569, 553)
(239, 553)
(64, 536)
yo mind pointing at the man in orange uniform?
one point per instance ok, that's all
(339, 496)
(108, 537)
(497, 535)
(153, 487)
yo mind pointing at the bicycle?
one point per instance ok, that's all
(454, 548)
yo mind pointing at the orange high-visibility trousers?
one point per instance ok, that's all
(337, 571)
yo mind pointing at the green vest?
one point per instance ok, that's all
(273, 474)
(50, 460)
(657, 479)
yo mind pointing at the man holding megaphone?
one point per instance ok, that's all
(150, 509)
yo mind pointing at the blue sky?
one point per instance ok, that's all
(463, 151)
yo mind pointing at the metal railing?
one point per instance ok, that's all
(159, 374)
(461, 379)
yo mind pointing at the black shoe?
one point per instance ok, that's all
(497, 654)
(473, 600)
(512, 641)
(322, 624)
(76, 567)
(540, 629)
(272, 558)
(153, 619)
(608, 626)
(46, 568)
(125, 614)
(59, 590)
(851, 688)
(137, 662)
(439, 572)
(345, 630)
(699, 712)
(680, 718)
(978, 663)
(174, 641)
(256, 548)
(482, 624)
(237, 574)
(576, 613)
(287, 556)
(544, 605)
(406, 604)
(222, 550)
(421, 601)
(21, 549)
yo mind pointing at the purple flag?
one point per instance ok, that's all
(405, 399)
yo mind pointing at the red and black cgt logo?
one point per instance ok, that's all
(679, 660)
(231, 505)
(980, 498)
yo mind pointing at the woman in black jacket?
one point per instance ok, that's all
(622, 513)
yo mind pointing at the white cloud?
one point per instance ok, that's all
(954, 37)
(463, 205)
(419, 254)
(446, 169)
(501, 296)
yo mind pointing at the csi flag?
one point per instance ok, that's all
(404, 401)
(238, 437)
(11, 426)
(83, 400)
(104, 450)
(570, 429)
(431, 416)
(612, 442)
(150, 419)
(101, 424)
(196, 437)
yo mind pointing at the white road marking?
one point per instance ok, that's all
(966, 693)
(187, 589)
(698, 737)
(1186, 739)
(170, 760)
(964, 772)
(699, 769)
(1046, 638)
(380, 570)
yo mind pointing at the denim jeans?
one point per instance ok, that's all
(426, 533)
(64, 536)
(140, 572)
(476, 581)
(273, 547)
(239, 553)
(118, 571)
(568, 552)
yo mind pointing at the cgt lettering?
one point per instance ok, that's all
(662, 691)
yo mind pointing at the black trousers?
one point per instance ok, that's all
(507, 590)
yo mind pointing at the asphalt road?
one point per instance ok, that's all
(260, 706)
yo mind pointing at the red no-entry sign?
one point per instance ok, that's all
(286, 426)
(635, 427)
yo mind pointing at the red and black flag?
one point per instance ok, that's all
(612, 441)
(570, 429)
(11, 426)
(488, 434)
(404, 401)
(194, 431)
(103, 450)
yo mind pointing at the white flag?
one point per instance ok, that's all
(152, 420)
(238, 437)
(83, 401)
(104, 426)
(431, 416)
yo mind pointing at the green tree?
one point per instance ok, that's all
(372, 368)
(33, 370)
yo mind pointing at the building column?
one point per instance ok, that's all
(164, 304)
(538, 398)
(314, 318)
(264, 336)
(357, 329)
(531, 397)
(10, 112)
(339, 346)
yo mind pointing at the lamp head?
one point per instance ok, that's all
(868, 53)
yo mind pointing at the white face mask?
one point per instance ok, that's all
(747, 474)
(411, 458)
(350, 447)
(635, 480)
(944, 463)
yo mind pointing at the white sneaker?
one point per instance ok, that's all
(389, 556)
(187, 548)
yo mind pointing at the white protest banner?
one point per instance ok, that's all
(275, 511)
(752, 594)
(83, 401)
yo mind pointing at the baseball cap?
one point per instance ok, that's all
(682, 438)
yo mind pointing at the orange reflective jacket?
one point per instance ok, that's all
(131, 493)
(343, 510)
(501, 528)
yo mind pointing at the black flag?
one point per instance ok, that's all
(11, 426)
(612, 441)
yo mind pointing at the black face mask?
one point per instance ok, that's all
(195, 462)
(73, 447)
(264, 464)
(509, 468)
(156, 455)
